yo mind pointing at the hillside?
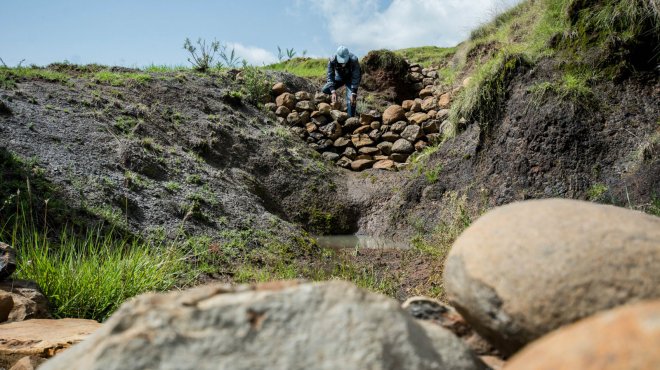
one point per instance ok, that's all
(554, 98)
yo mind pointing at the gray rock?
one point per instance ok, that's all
(350, 153)
(525, 269)
(402, 146)
(338, 115)
(375, 135)
(351, 124)
(398, 127)
(369, 150)
(320, 97)
(399, 157)
(303, 95)
(385, 147)
(305, 105)
(430, 127)
(332, 130)
(281, 325)
(7, 261)
(361, 140)
(330, 156)
(271, 107)
(412, 133)
(344, 162)
(390, 136)
(282, 111)
(362, 162)
(293, 119)
(27, 301)
(342, 142)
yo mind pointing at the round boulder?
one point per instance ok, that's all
(625, 338)
(278, 89)
(393, 114)
(527, 268)
(286, 100)
(402, 146)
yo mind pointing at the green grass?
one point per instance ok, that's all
(302, 67)
(427, 56)
(120, 78)
(9, 77)
(90, 275)
(165, 68)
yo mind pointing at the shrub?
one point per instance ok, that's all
(202, 55)
(256, 84)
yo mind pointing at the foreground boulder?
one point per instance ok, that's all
(41, 338)
(527, 268)
(624, 338)
(22, 300)
(332, 325)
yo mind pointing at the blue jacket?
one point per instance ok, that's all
(351, 74)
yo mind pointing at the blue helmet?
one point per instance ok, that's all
(342, 54)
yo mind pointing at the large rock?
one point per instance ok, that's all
(305, 105)
(412, 133)
(332, 130)
(525, 269)
(286, 100)
(361, 140)
(41, 338)
(282, 111)
(324, 108)
(362, 163)
(390, 136)
(351, 124)
(624, 338)
(331, 325)
(338, 115)
(392, 114)
(27, 301)
(342, 142)
(293, 119)
(385, 147)
(7, 261)
(444, 101)
(418, 118)
(385, 164)
(278, 89)
(429, 103)
(402, 146)
(303, 95)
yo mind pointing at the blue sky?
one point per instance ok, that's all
(141, 32)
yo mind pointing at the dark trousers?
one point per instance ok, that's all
(327, 89)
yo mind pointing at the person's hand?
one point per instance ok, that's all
(334, 97)
(353, 99)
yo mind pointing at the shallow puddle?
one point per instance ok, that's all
(360, 242)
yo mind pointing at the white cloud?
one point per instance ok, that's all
(253, 55)
(359, 24)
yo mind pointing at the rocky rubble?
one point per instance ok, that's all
(372, 140)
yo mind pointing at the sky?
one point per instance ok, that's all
(137, 33)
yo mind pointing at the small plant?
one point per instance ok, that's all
(172, 186)
(231, 60)
(597, 192)
(289, 53)
(194, 179)
(433, 175)
(202, 55)
(256, 84)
